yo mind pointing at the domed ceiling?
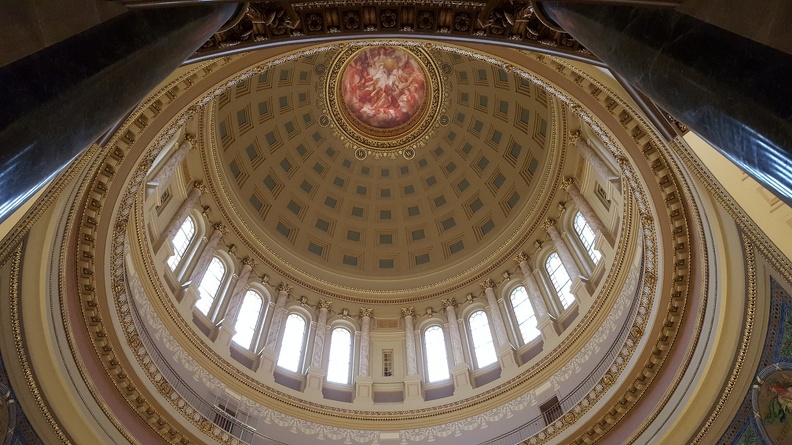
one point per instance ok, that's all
(468, 174)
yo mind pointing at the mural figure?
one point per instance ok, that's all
(383, 86)
(772, 402)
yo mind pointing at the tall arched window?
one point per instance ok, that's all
(560, 279)
(248, 317)
(340, 361)
(181, 241)
(524, 314)
(293, 344)
(210, 285)
(436, 356)
(483, 348)
(587, 236)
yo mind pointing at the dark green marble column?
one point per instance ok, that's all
(56, 102)
(732, 91)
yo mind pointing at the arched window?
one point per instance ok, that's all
(560, 279)
(586, 235)
(181, 241)
(483, 348)
(436, 357)
(210, 285)
(524, 314)
(247, 321)
(291, 351)
(340, 361)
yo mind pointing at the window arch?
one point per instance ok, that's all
(483, 347)
(210, 285)
(524, 314)
(562, 284)
(293, 343)
(181, 241)
(587, 236)
(340, 363)
(436, 354)
(248, 319)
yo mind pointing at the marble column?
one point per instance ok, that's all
(585, 209)
(174, 160)
(182, 212)
(268, 359)
(544, 321)
(190, 290)
(503, 347)
(460, 372)
(365, 327)
(412, 382)
(592, 157)
(61, 99)
(563, 251)
(315, 375)
(726, 87)
(227, 326)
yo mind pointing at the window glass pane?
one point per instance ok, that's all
(293, 342)
(560, 279)
(523, 312)
(340, 356)
(247, 318)
(483, 348)
(436, 358)
(181, 240)
(210, 284)
(587, 236)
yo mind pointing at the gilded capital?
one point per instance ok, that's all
(247, 261)
(200, 186)
(449, 303)
(567, 182)
(219, 227)
(189, 137)
(324, 304)
(488, 283)
(574, 136)
(285, 287)
(408, 312)
(366, 312)
(549, 222)
(522, 256)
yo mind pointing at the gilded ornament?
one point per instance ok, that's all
(324, 304)
(488, 284)
(522, 256)
(408, 312)
(449, 302)
(366, 312)
(285, 287)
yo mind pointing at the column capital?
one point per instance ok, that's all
(199, 185)
(574, 136)
(567, 182)
(324, 304)
(285, 287)
(366, 312)
(220, 227)
(522, 256)
(450, 302)
(488, 283)
(549, 222)
(189, 137)
(408, 312)
(247, 261)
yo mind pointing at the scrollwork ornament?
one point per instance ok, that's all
(366, 312)
(408, 312)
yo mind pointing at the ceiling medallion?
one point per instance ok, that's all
(383, 100)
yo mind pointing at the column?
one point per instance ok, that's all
(544, 321)
(703, 75)
(364, 384)
(315, 375)
(592, 157)
(174, 160)
(460, 372)
(190, 289)
(182, 213)
(268, 358)
(412, 382)
(583, 205)
(227, 325)
(563, 252)
(112, 66)
(502, 346)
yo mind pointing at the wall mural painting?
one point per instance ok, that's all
(772, 403)
(383, 86)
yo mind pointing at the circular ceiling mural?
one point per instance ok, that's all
(383, 87)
